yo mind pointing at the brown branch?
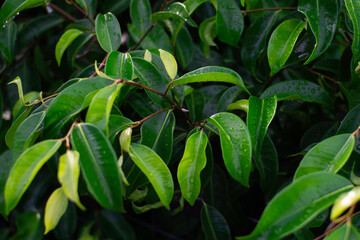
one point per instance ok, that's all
(269, 9)
(143, 37)
(151, 115)
(62, 12)
(316, 73)
(83, 12)
(102, 65)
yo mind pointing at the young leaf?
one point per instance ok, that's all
(329, 155)
(119, 65)
(212, 74)
(345, 232)
(344, 201)
(25, 169)
(54, 209)
(207, 31)
(108, 32)
(155, 170)
(322, 18)
(98, 163)
(176, 10)
(297, 204)
(64, 42)
(229, 22)
(10, 134)
(282, 42)
(298, 90)
(100, 107)
(260, 114)
(140, 12)
(169, 63)
(235, 145)
(68, 175)
(191, 165)
(11, 7)
(7, 41)
(125, 140)
(214, 224)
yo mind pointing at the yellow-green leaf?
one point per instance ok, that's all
(344, 201)
(54, 209)
(169, 63)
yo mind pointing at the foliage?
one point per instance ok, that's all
(197, 119)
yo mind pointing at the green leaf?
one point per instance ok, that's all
(345, 232)
(100, 107)
(7, 41)
(89, 6)
(260, 114)
(195, 102)
(54, 209)
(212, 74)
(117, 124)
(192, 5)
(267, 164)
(351, 121)
(29, 226)
(297, 204)
(235, 145)
(191, 165)
(353, 8)
(5, 163)
(108, 32)
(68, 176)
(282, 42)
(343, 202)
(169, 62)
(25, 169)
(157, 133)
(229, 22)
(140, 12)
(147, 207)
(10, 8)
(184, 47)
(71, 101)
(116, 6)
(98, 163)
(27, 133)
(119, 65)
(155, 170)
(255, 40)
(298, 90)
(114, 226)
(10, 134)
(322, 17)
(74, 48)
(329, 155)
(207, 31)
(151, 76)
(214, 224)
(64, 42)
(177, 11)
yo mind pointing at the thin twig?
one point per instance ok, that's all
(150, 116)
(316, 73)
(143, 37)
(102, 65)
(62, 12)
(83, 12)
(269, 9)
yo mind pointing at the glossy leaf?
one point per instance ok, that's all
(64, 42)
(184, 47)
(54, 209)
(116, 124)
(191, 165)
(27, 133)
(155, 170)
(11, 7)
(298, 90)
(157, 133)
(329, 155)
(100, 107)
(10, 134)
(212, 74)
(282, 42)
(119, 65)
(353, 8)
(297, 204)
(29, 226)
(5, 163)
(350, 123)
(345, 201)
(88, 5)
(25, 169)
(214, 224)
(242, 104)
(267, 164)
(169, 62)
(176, 10)
(255, 39)
(98, 163)
(125, 140)
(235, 145)
(7, 41)
(322, 18)
(71, 101)
(192, 5)
(260, 114)
(68, 176)
(207, 31)
(346, 232)
(140, 12)
(229, 22)
(108, 32)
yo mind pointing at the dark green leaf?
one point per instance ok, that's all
(184, 47)
(108, 32)
(140, 12)
(345, 232)
(297, 204)
(10, 134)
(207, 31)
(192, 5)
(119, 65)
(24, 170)
(116, 6)
(329, 155)
(116, 124)
(282, 42)
(7, 41)
(5, 163)
(73, 50)
(195, 103)
(191, 165)
(267, 164)
(228, 97)
(98, 163)
(64, 42)
(29, 226)
(322, 17)
(353, 8)
(89, 6)
(115, 226)
(229, 22)
(155, 170)
(214, 224)
(235, 145)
